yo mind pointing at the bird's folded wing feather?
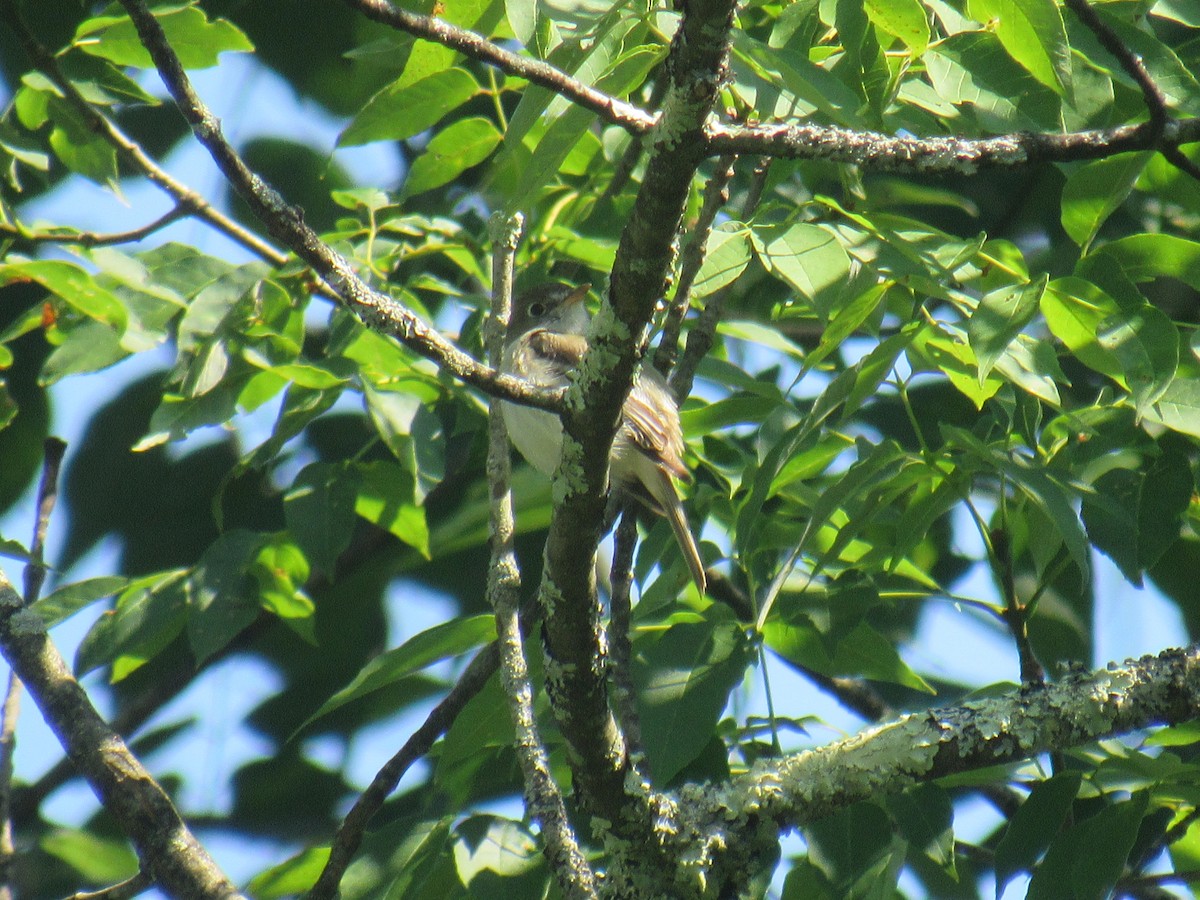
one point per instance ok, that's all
(653, 423)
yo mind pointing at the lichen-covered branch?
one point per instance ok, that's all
(167, 848)
(941, 155)
(604, 775)
(543, 797)
(286, 224)
(721, 832)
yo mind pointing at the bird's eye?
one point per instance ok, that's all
(537, 309)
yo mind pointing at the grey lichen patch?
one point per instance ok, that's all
(550, 598)
(26, 621)
(607, 328)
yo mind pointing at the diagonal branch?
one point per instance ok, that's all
(610, 109)
(286, 224)
(167, 848)
(439, 720)
(726, 823)
(187, 200)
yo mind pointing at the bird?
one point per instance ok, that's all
(544, 344)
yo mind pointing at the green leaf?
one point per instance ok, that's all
(98, 860)
(807, 257)
(1146, 343)
(865, 68)
(444, 641)
(88, 347)
(1050, 497)
(999, 318)
(319, 511)
(401, 111)
(70, 598)
(845, 322)
(385, 498)
(903, 19)
(1135, 515)
(854, 848)
(683, 678)
(1144, 257)
(974, 68)
(148, 615)
(726, 255)
(925, 817)
(1095, 191)
(1033, 33)
(220, 602)
(496, 856)
(291, 877)
(74, 286)
(933, 350)
(1034, 825)
(197, 41)
(452, 151)
(1073, 309)
(78, 146)
(1085, 861)
(1179, 407)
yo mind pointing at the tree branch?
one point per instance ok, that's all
(167, 848)
(722, 826)
(53, 450)
(610, 109)
(604, 775)
(716, 195)
(879, 152)
(543, 798)
(286, 224)
(346, 842)
(185, 198)
(94, 238)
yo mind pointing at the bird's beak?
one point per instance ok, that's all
(577, 296)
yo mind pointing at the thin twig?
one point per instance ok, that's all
(95, 238)
(348, 838)
(703, 334)
(716, 195)
(35, 575)
(377, 310)
(543, 797)
(128, 888)
(620, 638)
(1156, 100)
(185, 198)
(616, 112)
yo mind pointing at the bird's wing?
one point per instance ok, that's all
(652, 420)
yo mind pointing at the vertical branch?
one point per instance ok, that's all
(575, 645)
(702, 336)
(35, 576)
(543, 799)
(619, 635)
(716, 195)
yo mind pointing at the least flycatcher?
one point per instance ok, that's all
(544, 344)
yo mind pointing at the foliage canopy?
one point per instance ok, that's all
(928, 271)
